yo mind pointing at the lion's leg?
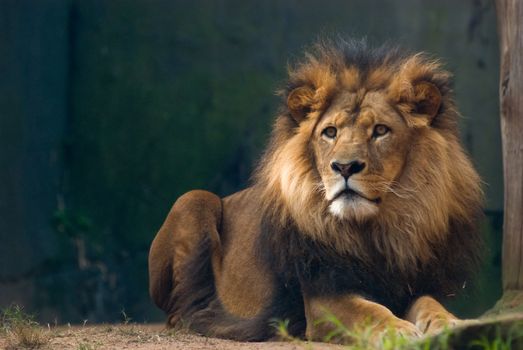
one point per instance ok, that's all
(430, 316)
(355, 313)
(194, 217)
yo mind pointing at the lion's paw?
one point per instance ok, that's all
(396, 328)
(405, 329)
(438, 322)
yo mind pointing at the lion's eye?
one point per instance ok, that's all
(380, 130)
(330, 132)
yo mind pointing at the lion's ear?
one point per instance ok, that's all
(424, 103)
(427, 99)
(300, 101)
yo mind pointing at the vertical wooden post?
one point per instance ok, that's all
(510, 31)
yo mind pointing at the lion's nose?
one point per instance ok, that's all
(348, 169)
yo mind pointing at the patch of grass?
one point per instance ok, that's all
(86, 346)
(282, 332)
(359, 338)
(282, 329)
(449, 338)
(502, 340)
(131, 330)
(488, 336)
(21, 330)
(126, 319)
(363, 337)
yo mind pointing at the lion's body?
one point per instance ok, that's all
(239, 267)
(243, 283)
(363, 204)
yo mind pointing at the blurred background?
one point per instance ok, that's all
(109, 110)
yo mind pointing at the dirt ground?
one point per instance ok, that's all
(498, 328)
(148, 337)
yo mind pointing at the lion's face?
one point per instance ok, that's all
(366, 151)
(360, 146)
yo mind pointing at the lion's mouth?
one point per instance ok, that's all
(350, 193)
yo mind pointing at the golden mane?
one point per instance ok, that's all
(438, 192)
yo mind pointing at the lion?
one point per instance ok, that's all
(364, 206)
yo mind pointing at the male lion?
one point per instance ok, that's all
(364, 205)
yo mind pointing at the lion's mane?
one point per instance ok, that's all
(435, 203)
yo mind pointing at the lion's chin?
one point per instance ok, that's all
(353, 208)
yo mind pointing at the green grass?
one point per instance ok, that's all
(126, 319)
(501, 340)
(21, 330)
(362, 337)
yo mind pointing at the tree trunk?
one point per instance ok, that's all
(510, 30)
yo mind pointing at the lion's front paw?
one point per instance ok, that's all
(405, 329)
(396, 327)
(437, 322)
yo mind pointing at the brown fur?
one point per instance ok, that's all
(430, 316)
(440, 173)
(352, 311)
(277, 250)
